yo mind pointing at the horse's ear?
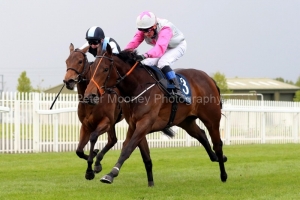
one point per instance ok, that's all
(71, 47)
(85, 49)
(108, 49)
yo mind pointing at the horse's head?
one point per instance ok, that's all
(108, 71)
(77, 66)
(100, 70)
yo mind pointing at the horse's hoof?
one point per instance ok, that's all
(97, 168)
(223, 177)
(150, 184)
(89, 175)
(107, 179)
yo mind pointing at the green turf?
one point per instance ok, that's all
(254, 172)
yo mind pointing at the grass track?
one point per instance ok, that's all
(254, 172)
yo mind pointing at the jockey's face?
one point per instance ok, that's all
(95, 44)
(149, 33)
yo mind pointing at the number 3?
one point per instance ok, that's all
(185, 89)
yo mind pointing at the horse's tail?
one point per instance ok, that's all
(221, 105)
(169, 132)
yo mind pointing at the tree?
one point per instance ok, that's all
(221, 82)
(279, 79)
(297, 96)
(24, 83)
(298, 82)
(290, 82)
(284, 81)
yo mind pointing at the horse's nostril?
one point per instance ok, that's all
(69, 84)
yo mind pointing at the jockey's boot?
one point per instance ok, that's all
(177, 91)
(171, 76)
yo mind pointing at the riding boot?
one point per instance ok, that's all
(177, 91)
(171, 76)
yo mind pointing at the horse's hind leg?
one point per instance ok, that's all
(213, 129)
(145, 152)
(112, 140)
(190, 126)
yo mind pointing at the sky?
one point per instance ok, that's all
(238, 38)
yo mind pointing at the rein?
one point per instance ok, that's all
(102, 88)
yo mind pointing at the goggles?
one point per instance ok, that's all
(94, 42)
(146, 30)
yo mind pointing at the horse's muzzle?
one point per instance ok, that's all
(70, 84)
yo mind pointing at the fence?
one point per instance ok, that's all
(27, 124)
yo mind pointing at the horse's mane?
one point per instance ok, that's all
(128, 56)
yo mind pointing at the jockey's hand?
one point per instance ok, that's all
(130, 50)
(139, 58)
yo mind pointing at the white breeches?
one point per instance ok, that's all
(170, 56)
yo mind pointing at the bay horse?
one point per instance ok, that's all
(95, 120)
(149, 111)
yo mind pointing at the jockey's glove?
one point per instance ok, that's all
(140, 57)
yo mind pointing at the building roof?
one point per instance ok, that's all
(258, 84)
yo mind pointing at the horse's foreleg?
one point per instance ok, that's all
(102, 128)
(142, 127)
(89, 174)
(145, 152)
(112, 140)
(83, 140)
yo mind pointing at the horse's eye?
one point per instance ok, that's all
(80, 62)
(105, 69)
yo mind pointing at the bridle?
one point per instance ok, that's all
(80, 75)
(103, 88)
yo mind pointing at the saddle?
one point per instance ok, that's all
(169, 87)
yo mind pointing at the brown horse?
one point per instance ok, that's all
(95, 120)
(150, 110)
(99, 119)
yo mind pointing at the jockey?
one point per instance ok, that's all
(168, 45)
(95, 36)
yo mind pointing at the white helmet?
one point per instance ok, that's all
(145, 20)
